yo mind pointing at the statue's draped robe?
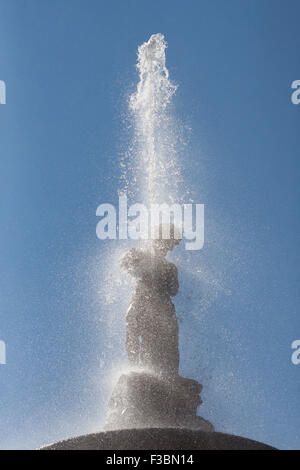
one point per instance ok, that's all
(152, 328)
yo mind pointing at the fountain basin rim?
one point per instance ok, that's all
(158, 439)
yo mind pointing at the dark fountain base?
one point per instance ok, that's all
(158, 439)
(147, 412)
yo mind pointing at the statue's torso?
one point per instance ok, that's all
(151, 315)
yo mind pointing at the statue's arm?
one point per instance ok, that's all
(132, 262)
(138, 264)
(127, 261)
(161, 274)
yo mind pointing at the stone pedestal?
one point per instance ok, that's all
(145, 400)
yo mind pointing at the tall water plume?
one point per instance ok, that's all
(154, 159)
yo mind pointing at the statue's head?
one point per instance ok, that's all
(167, 237)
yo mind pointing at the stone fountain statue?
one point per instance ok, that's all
(151, 323)
(153, 394)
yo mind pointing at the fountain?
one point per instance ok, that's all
(154, 394)
(152, 406)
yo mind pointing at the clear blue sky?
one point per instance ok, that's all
(68, 66)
